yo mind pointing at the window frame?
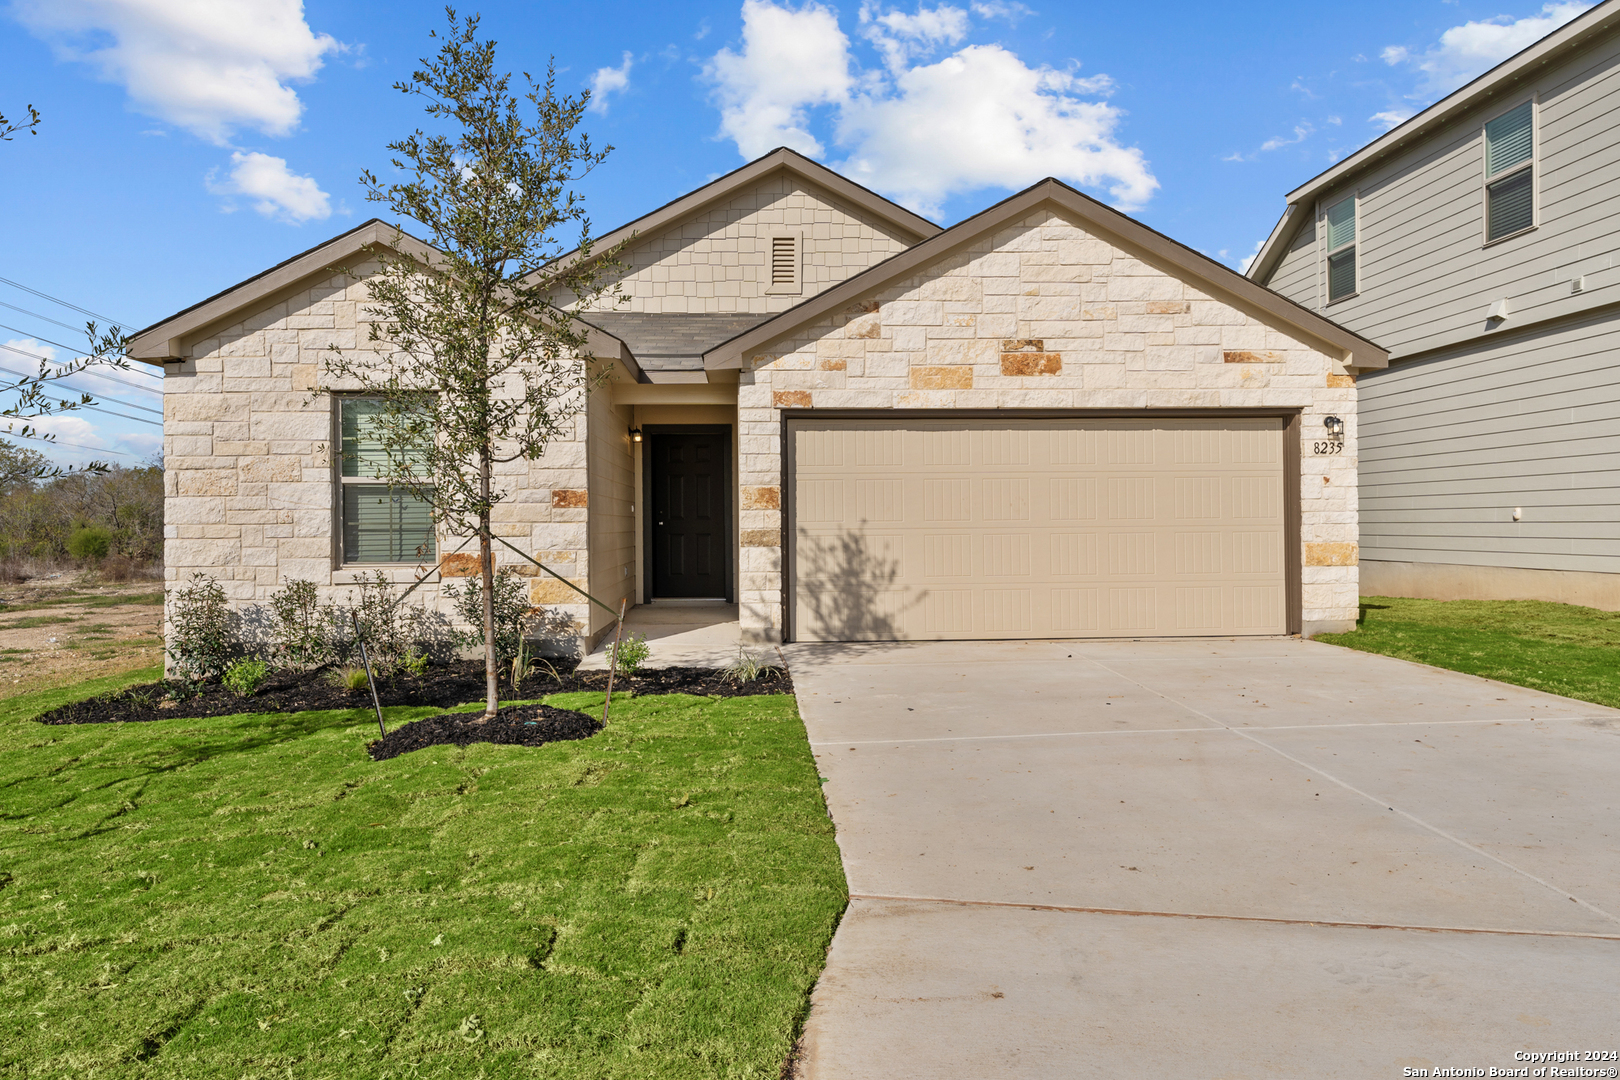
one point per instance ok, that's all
(1354, 247)
(340, 483)
(1489, 179)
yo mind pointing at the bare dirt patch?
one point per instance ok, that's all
(71, 627)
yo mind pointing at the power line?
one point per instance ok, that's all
(76, 446)
(109, 412)
(76, 374)
(37, 315)
(64, 303)
(65, 386)
(69, 348)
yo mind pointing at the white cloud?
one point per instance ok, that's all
(1466, 51)
(209, 66)
(609, 80)
(790, 60)
(1391, 118)
(920, 132)
(1302, 131)
(276, 190)
(997, 9)
(1248, 260)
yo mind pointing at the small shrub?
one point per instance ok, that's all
(522, 665)
(512, 612)
(116, 568)
(90, 543)
(244, 677)
(350, 677)
(300, 626)
(633, 652)
(415, 663)
(747, 668)
(391, 629)
(200, 643)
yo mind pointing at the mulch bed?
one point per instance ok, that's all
(516, 725)
(460, 683)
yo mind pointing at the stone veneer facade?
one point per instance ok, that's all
(250, 485)
(1042, 315)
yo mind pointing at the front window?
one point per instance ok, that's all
(1510, 165)
(381, 523)
(1341, 246)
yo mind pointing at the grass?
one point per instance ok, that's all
(37, 620)
(90, 601)
(252, 896)
(1558, 648)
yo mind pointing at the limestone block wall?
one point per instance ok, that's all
(250, 480)
(717, 260)
(1043, 315)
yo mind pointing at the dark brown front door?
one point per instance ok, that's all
(689, 515)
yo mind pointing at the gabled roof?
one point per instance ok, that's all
(1502, 79)
(671, 340)
(779, 160)
(1105, 222)
(165, 340)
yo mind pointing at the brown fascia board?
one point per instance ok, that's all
(164, 340)
(1575, 34)
(1355, 350)
(741, 178)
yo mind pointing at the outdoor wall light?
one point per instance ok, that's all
(1335, 427)
(635, 434)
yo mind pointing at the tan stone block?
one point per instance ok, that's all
(942, 378)
(207, 482)
(271, 470)
(459, 565)
(548, 590)
(1168, 307)
(1246, 357)
(564, 498)
(761, 498)
(1339, 382)
(866, 326)
(304, 376)
(1031, 363)
(1339, 554)
(834, 364)
(790, 399)
(1033, 345)
(761, 538)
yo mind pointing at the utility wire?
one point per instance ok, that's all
(77, 374)
(42, 318)
(64, 303)
(77, 446)
(65, 386)
(69, 348)
(109, 412)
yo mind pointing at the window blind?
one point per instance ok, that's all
(1341, 224)
(1510, 205)
(1508, 140)
(383, 525)
(1341, 274)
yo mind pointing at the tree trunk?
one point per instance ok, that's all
(486, 566)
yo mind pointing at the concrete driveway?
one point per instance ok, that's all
(1251, 858)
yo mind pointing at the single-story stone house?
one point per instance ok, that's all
(1045, 421)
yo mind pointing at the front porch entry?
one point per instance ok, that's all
(703, 633)
(688, 538)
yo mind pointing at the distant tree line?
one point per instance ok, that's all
(79, 517)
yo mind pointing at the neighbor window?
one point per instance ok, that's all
(1341, 249)
(1510, 183)
(381, 523)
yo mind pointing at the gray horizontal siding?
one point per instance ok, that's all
(1449, 445)
(1426, 276)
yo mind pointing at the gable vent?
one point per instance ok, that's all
(785, 263)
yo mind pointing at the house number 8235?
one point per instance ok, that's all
(1327, 447)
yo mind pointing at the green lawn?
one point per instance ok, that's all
(1559, 648)
(252, 896)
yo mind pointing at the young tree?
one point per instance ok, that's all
(33, 392)
(473, 363)
(8, 128)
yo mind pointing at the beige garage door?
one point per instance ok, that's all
(934, 529)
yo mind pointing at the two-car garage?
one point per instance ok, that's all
(962, 526)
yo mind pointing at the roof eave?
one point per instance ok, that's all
(1355, 351)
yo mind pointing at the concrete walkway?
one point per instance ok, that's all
(679, 634)
(1252, 858)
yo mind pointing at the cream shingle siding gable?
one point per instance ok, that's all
(1110, 331)
(718, 260)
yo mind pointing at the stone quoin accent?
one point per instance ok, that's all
(1244, 357)
(1339, 554)
(565, 499)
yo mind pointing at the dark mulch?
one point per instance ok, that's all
(515, 725)
(440, 687)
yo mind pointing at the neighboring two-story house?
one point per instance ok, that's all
(1480, 243)
(1047, 420)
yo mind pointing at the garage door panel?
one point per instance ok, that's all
(964, 529)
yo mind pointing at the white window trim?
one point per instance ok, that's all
(1328, 299)
(339, 481)
(797, 285)
(1489, 178)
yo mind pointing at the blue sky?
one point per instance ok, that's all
(188, 144)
